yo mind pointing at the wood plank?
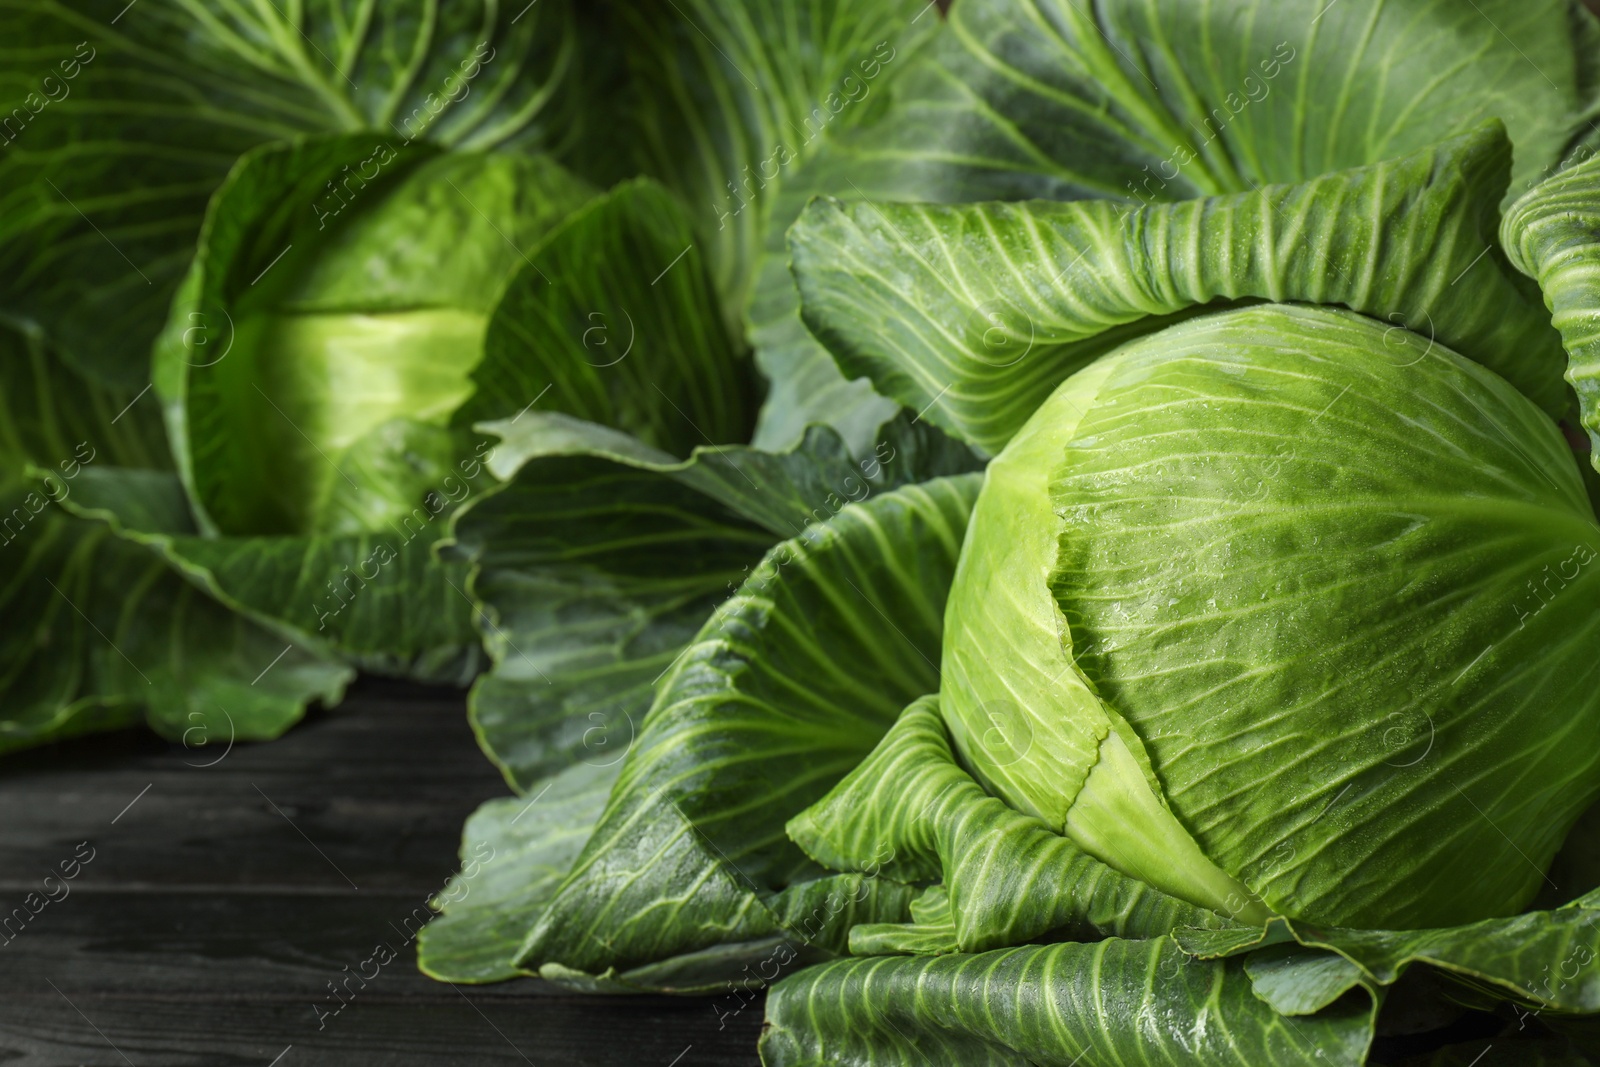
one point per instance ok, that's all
(380, 786)
(156, 1032)
(222, 902)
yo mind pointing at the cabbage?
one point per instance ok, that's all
(1262, 609)
(1138, 612)
(1242, 711)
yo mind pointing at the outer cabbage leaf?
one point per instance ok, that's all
(1006, 879)
(1550, 235)
(104, 632)
(1112, 1002)
(597, 562)
(377, 601)
(727, 99)
(1168, 100)
(759, 717)
(601, 558)
(973, 314)
(1545, 963)
(1541, 964)
(1544, 960)
(615, 321)
(1299, 981)
(514, 853)
(120, 121)
(1155, 100)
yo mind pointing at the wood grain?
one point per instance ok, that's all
(219, 906)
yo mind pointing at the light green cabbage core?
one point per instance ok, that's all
(339, 378)
(352, 354)
(1007, 654)
(1284, 609)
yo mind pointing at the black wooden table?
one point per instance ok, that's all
(218, 903)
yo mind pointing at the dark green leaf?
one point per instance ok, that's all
(514, 852)
(120, 121)
(614, 320)
(756, 719)
(384, 601)
(1167, 99)
(103, 632)
(728, 99)
(601, 558)
(730, 96)
(1157, 100)
(1300, 981)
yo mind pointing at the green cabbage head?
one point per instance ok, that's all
(1283, 610)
